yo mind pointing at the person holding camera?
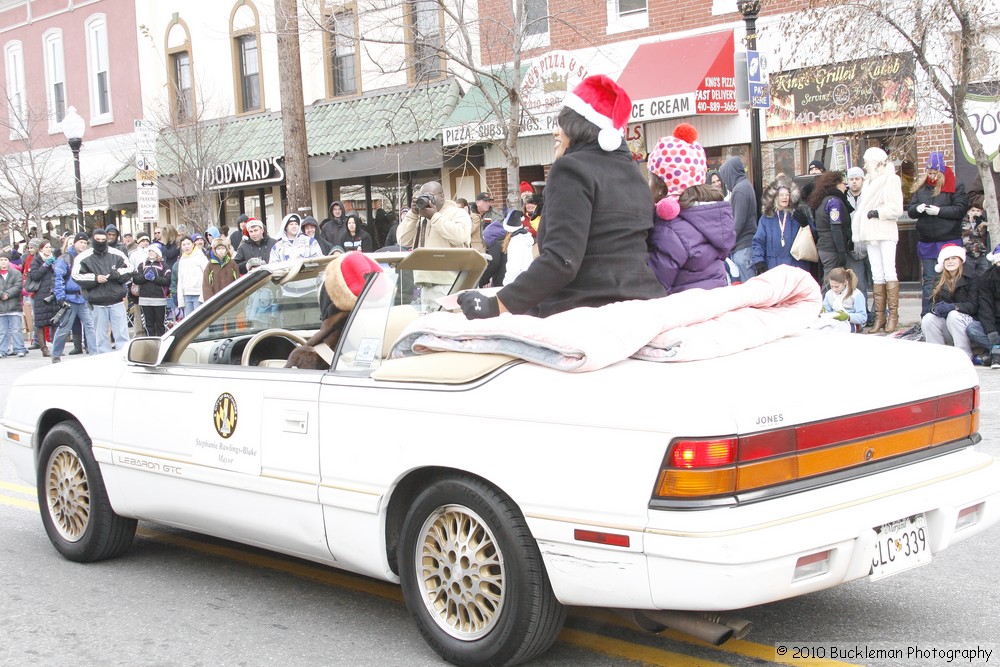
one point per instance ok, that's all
(103, 273)
(42, 273)
(69, 296)
(434, 222)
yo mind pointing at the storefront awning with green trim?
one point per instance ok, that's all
(340, 137)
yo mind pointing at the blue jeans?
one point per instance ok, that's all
(191, 303)
(111, 318)
(928, 278)
(77, 310)
(977, 334)
(11, 336)
(744, 261)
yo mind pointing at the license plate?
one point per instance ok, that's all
(901, 545)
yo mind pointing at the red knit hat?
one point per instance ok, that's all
(345, 278)
(605, 104)
(679, 161)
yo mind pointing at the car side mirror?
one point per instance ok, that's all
(144, 351)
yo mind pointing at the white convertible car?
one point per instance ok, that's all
(497, 491)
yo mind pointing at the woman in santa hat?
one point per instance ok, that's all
(592, 247)
(954, 302)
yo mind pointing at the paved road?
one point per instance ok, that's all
(181, 599)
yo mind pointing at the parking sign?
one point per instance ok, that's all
(760, 94)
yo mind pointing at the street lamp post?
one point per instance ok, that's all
(73, 127)
(750, 9)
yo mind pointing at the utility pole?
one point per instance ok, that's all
(293, 118)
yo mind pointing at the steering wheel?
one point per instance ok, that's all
(285, 335)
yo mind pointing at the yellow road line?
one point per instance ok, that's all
(18, 488)
(19, 502)
(323, 575)
(587, 640)
(639, 652)
(317, 573)
(740, 646)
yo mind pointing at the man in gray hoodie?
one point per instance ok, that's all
(744, 203)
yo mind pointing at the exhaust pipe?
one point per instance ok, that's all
(701, 625)
(741, 627)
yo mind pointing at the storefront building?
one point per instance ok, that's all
(359, 152)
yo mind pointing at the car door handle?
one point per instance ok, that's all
(296, 421)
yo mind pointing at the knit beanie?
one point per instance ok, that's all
(679, 161)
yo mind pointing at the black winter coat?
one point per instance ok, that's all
(598, 214)
(947, 224)
(41, 311)
(157, 286)
(249, 250)
(966, 294)
(112, 263)
(988, 286)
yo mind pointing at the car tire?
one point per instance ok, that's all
(473, 578)
(74, 504)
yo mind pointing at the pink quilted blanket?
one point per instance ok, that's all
(692, 325)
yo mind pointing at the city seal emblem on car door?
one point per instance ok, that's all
(225, 415)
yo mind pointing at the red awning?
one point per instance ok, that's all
(682, 77)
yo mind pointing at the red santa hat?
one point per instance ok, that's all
(345, 278)
(679, 161)
(949, 250)
(605, 104)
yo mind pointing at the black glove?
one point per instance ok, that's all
(941, 309)
(872, 214)
(760, 267)
(842, 259)
(799, 216)
(476, 306)
(50, 299)
(994, 338)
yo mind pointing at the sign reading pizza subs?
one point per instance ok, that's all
(856, 95)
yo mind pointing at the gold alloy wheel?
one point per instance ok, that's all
(67, 493)
(460, 572)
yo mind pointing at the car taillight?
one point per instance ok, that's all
(724, 465)
(703, 453)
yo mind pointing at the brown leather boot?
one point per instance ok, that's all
(42, 345)
(879, 294)
(892, 302)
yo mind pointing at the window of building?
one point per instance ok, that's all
(55, 77)
(343, 51)
(244, 29)
(427, 42)
(534, 23)
(99, 75)
(17, 108)
(625, 15)
(249, 72)
(181, 80)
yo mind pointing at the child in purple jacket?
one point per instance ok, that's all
(694, 231)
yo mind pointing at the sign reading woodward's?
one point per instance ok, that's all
(857, 95)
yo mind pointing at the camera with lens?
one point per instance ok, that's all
(60, 314)
(421, 202)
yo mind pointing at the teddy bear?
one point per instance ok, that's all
(343, 281)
